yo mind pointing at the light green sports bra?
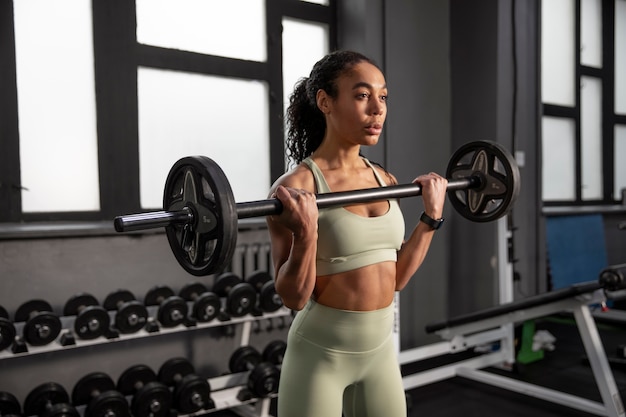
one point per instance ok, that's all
(347, 241)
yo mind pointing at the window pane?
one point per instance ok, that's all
(620, 167)
(557, 52)
(558, 163)
(591, 138)
(591, 33)
(298, 61)
(182, 114)
(233, 28)
(55, 83)
(620, 56)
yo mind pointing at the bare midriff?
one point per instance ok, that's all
(368, 288)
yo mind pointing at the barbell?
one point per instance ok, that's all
(200, 214)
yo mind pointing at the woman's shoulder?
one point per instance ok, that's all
(387, 176)
(299, 177)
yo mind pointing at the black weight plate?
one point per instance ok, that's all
(274, 352)
(134, 378)
(29, 308)
(7, 333)
(157, 294)
(206, 246)
(241, 299)
(206, 307)
(77, 301)
(47, 393)
(172, 311)
(244, 358)
(175, 369)
(131, 317)
(61, 410)
(115, 299)
(92, 322)
(42, 329)
(258, 278)
(9, 404)
(3, 313)
(192, 291)
(192, 394)
(263, 379)
(269, 300)
(224, 283)
(500, 181)
(90, 385)
(152, 400)
(107, 404)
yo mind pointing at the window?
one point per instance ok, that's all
(106, 96)
(583, 94)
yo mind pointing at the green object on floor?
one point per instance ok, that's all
(526, 354)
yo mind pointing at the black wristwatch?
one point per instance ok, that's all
(434, 224)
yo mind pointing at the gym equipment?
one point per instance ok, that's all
(206, 304)
(200, 215)
(264, 376)
(488, 329)
(92, 321)
(131, 315)
(49, 399)
(97, 391)
(191, 391)
(9, 405)
(41, 326)
(150, 398)
(172, 310)
(268, 299)
(7, 330)
(274, 352)
(240, 296)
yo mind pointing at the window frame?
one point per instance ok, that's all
(610, 119)
(117, 56)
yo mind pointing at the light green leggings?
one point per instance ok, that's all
(339, 360)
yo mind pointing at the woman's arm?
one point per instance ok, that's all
(413, 251)
(293, 237)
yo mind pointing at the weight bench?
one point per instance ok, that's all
(492, 326)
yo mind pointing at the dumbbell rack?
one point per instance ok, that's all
(224, 389)
(67, 322)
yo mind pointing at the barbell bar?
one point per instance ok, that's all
(200, 215)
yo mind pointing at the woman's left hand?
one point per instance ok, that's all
(434, 188)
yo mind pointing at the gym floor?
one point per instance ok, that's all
(563, 369)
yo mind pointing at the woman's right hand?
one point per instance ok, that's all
(299, 213)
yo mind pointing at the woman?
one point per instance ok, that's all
(340, 267)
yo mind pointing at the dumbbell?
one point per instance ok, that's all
(274, 352)
(130, 314)
(240, 296)
(264, 376)
(97, 391)
(92, 320)
(7, 330)
(191, 391)
(206, 304)
(150, 398)
(49, 400)
(9, 405)
(268, 298)
(172, 310)
(41, 326)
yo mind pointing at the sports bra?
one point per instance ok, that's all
(347, 241)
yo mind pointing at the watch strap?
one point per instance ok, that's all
(433, 223)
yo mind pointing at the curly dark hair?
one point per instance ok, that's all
(306, 125)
